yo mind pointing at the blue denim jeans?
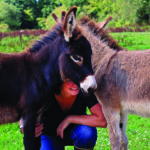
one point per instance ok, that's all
(81, 136)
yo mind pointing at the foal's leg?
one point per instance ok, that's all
(123, 124)
(113, 120)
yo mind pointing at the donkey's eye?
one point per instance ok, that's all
(77, 59)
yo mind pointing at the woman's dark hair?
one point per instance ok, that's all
(58, 88)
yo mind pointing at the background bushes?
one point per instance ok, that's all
(33, 14)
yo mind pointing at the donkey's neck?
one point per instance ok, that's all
(101, 52)
(45, 68)
(101, 56)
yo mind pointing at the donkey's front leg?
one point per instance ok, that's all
(113, 120)
(123, 124)
(30, 142)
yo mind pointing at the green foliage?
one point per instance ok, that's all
(98, 9)
(28, 15)
(15, 44)
(4, 27)
(9, 15)
(78, 3)
(33, 9)
(47, 6)
(27, 19)
(133, 40)
(41, 23)
(31, 14)
(143, 12)
(124, 12)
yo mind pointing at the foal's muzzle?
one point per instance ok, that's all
(89, 84)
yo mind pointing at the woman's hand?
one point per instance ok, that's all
(62, 126)
(38, 129)
(95, 119)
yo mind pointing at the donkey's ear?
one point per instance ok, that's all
(104, 23)
(55, 18)
(63, 13)
(69, 23)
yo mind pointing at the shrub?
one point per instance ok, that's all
(4, 27)
(9, 15)
(143, 12)
(41, 23)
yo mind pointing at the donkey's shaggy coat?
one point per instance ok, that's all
(123, 80)
(28, 79)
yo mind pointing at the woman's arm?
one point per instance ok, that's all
(95, 119)
(38, 128)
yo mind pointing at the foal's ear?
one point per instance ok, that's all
(104, 23)
(55, 17)
(63, 13)
(70, 23)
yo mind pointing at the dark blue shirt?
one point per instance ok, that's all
(55, 115)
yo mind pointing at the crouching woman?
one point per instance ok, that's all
(66, 122)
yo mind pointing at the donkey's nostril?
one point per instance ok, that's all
(91, 90)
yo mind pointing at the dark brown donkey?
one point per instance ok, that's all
(28, 79)
(123, 80)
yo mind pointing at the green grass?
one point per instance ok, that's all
(15, 44)
(138, 128)
(137, 132)
(10, 137)
(133, 40)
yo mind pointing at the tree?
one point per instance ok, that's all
(9, 15)
(27, 10)
(47, 6)
(78, 3)
(143, 12)
(33, 9)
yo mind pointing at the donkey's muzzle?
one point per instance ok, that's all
(91, 90)
(89, 84)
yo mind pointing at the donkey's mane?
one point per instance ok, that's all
(100, 33)
(46, 39)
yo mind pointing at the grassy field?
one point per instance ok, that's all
(133, 40)
(138, 128)
(16, 44)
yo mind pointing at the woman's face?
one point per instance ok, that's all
(69, 87)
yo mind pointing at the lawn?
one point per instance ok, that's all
(133, 40)
(138, 128)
